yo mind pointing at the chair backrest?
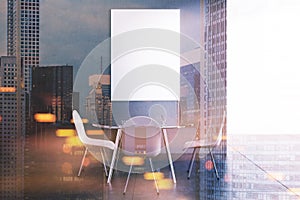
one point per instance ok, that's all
(84, 138)
(219, 138)
(142, 136)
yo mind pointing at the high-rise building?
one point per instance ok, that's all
(12, 130)
(98, 103)
(22, 43)
(52, 89)
(23, 34)
(214, 27)
(213, 40)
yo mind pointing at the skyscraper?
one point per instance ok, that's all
(23, 54)
(12, 130)
(213, 41)
(23, 35)
(98, 104)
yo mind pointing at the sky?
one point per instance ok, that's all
(70, 29)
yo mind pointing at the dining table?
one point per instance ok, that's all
(119, 129)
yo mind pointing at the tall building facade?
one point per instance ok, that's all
(22, 42)
(215, 66)
(12, 130)
(213, 40)
(23, 32)
(98, 103)
(52, 90)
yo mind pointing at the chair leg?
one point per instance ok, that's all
(118, 155)
(112, 165)
(192, 163)
(82, 161)
(104, 162)
(125, 188)
(156, 186)
(194, 149)
(214, 163)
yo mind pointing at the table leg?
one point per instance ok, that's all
(169, 154)
(118, 137)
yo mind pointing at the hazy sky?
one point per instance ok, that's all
(70, 29)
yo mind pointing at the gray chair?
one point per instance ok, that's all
(202, 143)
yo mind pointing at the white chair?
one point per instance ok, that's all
(91, 142)
(202, 143)
(142, 136)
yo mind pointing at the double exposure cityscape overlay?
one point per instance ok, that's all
(55, 57)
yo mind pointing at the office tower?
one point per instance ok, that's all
(12, 130)
(98, 103)
(23, 34)
(213, 32)
(23, 43)
(215, 68)
(52, 89)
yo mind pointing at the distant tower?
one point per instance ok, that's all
(23, 21)
(98, 104)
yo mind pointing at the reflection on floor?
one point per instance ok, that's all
(251, 169)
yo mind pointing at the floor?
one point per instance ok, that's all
(250, 168)
(139, 188)
(51, 171)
